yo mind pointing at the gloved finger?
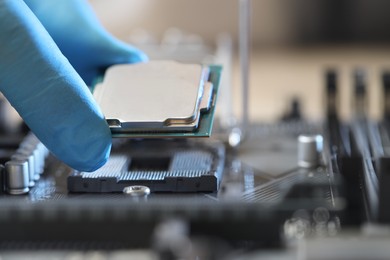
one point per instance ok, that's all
(114, 52)
(47, 92)
(82, 39)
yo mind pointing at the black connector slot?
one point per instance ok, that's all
(344, 159)
(379, 135)
(363, 146)
(380, 144)
(369, 177)
(346, 163)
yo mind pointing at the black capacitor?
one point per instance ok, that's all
(294, 112)
(360, 85)
(331, 91)
(2, 179)
(360, 81)
(386, 94)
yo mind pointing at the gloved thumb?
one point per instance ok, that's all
(82, 39)
(47, 92)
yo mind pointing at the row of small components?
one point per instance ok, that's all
(25, 167)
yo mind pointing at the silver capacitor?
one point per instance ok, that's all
(36, 158)
(32, 148)
(17, 177)
(31, 167)
(309, 149)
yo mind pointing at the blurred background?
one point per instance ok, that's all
(293, 42)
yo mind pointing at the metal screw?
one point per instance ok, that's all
(137, 190)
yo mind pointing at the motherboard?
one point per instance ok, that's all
(285, 184)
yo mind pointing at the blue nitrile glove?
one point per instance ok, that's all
(77, 32)
(46, 90)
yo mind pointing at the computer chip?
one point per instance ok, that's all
(159, 99)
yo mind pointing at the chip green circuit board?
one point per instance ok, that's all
(203, 129)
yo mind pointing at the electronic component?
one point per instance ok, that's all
(159, 99)
(162, 166)
(30, 163)
(24, 165)
(309, 148)
(17, 177)
(386, 93)
(342, 185)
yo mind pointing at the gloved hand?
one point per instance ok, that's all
(77, 32)
(45, 89)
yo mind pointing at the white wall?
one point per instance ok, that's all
(272, 23)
